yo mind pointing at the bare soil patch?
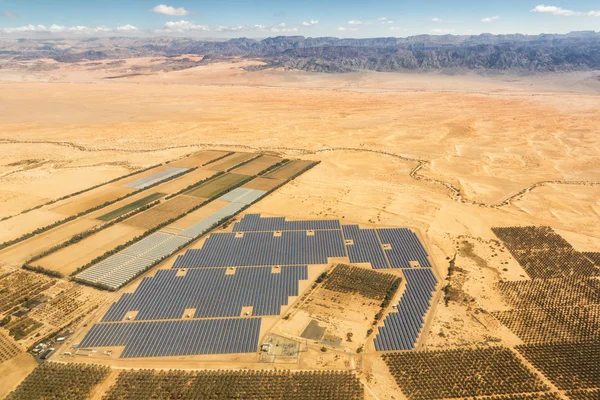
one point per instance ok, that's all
(68, 259)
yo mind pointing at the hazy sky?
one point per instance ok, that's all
(263, 18)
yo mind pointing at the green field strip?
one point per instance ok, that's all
(214, 186)
(130, 207)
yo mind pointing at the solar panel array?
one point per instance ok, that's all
(402, 327)
(163, 324)
(211, 292)
(155, 177)
(254, 222)
(264, 248)
(178, 337)
(406, 247)
(366, 246)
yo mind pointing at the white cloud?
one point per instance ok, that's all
(563, 12)
(355, 22)
(490, 19)
(442, 31)
(278, 28)
(127, 28)
(7, 14)
(385, 20)
(312, 22)
(436, 19)
(55, 29)
(184, 26)
(282, 28)
(236, 28)
(168, 10)
(347, 29)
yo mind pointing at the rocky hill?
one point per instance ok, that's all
(576, 51)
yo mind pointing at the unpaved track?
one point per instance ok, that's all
(454, 192)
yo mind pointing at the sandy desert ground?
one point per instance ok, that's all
(451, 156)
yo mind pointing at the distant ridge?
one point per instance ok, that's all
(574, 51)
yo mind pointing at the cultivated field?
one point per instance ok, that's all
(216, 185)
(68, 259)
(164, 212)
(256, 166)
(130, 207)
(288, 170)
(230, 161)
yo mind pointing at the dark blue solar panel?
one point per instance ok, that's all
(211, 291)
(406, 247)
(177, 338)
(263, 248)
(402, 327)
(366, 247)
(254, 222)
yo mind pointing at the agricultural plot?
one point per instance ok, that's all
(460, 373)
(156, 177)
(552, 310)
(289, 170)
(546, 325)
(265, 184)
(164, 212)
(230, 161)
(258, 165)
(60, 381)
(67, 260)
(19, 287)
(568, 365)
(594, 257)
(130, 207)
(67, 306)
(258, 385)
(8, 347)
(198, 159)
(367, 283)
(550, 293)
(91, 199)
(532, 396)
(544, 254)
(217, 185)
(401, 328)
(593, 394)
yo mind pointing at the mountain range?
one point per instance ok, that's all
(575, 51)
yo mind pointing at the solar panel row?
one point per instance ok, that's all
(155, 177)
(211, 292)
(366, 247)
(406, 247)
(177, 338)
(402, 327)
(263, 248)
(254, 222)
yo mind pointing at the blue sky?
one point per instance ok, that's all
(263, 18)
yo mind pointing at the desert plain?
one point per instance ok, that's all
(450, 156)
